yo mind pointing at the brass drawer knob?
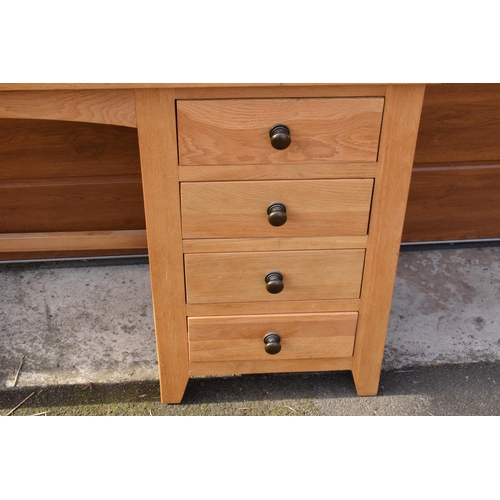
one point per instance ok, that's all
(274, 282)
(276, 214)
(272, 341)
(280, 136)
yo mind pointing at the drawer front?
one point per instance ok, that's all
(240, 277)
(241, 338)
(236, 131)
(240, 209)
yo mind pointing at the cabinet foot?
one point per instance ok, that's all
(366, 386)
(172, 391)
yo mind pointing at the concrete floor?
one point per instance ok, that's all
(445, 308)
(91, 322)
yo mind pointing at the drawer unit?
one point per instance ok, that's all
(274, 218)
(237, 131)
(275, 208)
(286, 336)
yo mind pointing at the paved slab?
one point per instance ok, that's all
(76, 324)
(445, 308)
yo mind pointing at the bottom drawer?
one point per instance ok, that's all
(301, 336)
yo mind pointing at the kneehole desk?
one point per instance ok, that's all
(274, 216)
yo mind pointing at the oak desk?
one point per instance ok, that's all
(274, 216)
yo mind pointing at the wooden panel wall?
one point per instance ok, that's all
(62, 176)
(456, 175)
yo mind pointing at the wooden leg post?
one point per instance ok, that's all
(400, 127)
(156, 127)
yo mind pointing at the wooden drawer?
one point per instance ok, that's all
(240, 277)
(236, 131)
(241, 338)
(239, 209)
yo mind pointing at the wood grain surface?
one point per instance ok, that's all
(270, 172)
(268, 307)
(459, 127)
(45, 149)
(239, 209)
(459, 123)
(240, 277)
(225, 132)
(453, 203)
(71, 205)
(126, 252)
(75, 241)
(400, 127)
(456, 175)
(207, 89)
(263, 244)
(160, 179)
(59, 178)
(271, 366)
(303, 336)
(111, 107)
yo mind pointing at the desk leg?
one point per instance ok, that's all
(403, 104)
(160, 178)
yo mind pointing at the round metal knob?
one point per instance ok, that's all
(272, 341)
(280, 136)
(276, 214)
(274, 282)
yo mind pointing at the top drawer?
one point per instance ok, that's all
(236, 131)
